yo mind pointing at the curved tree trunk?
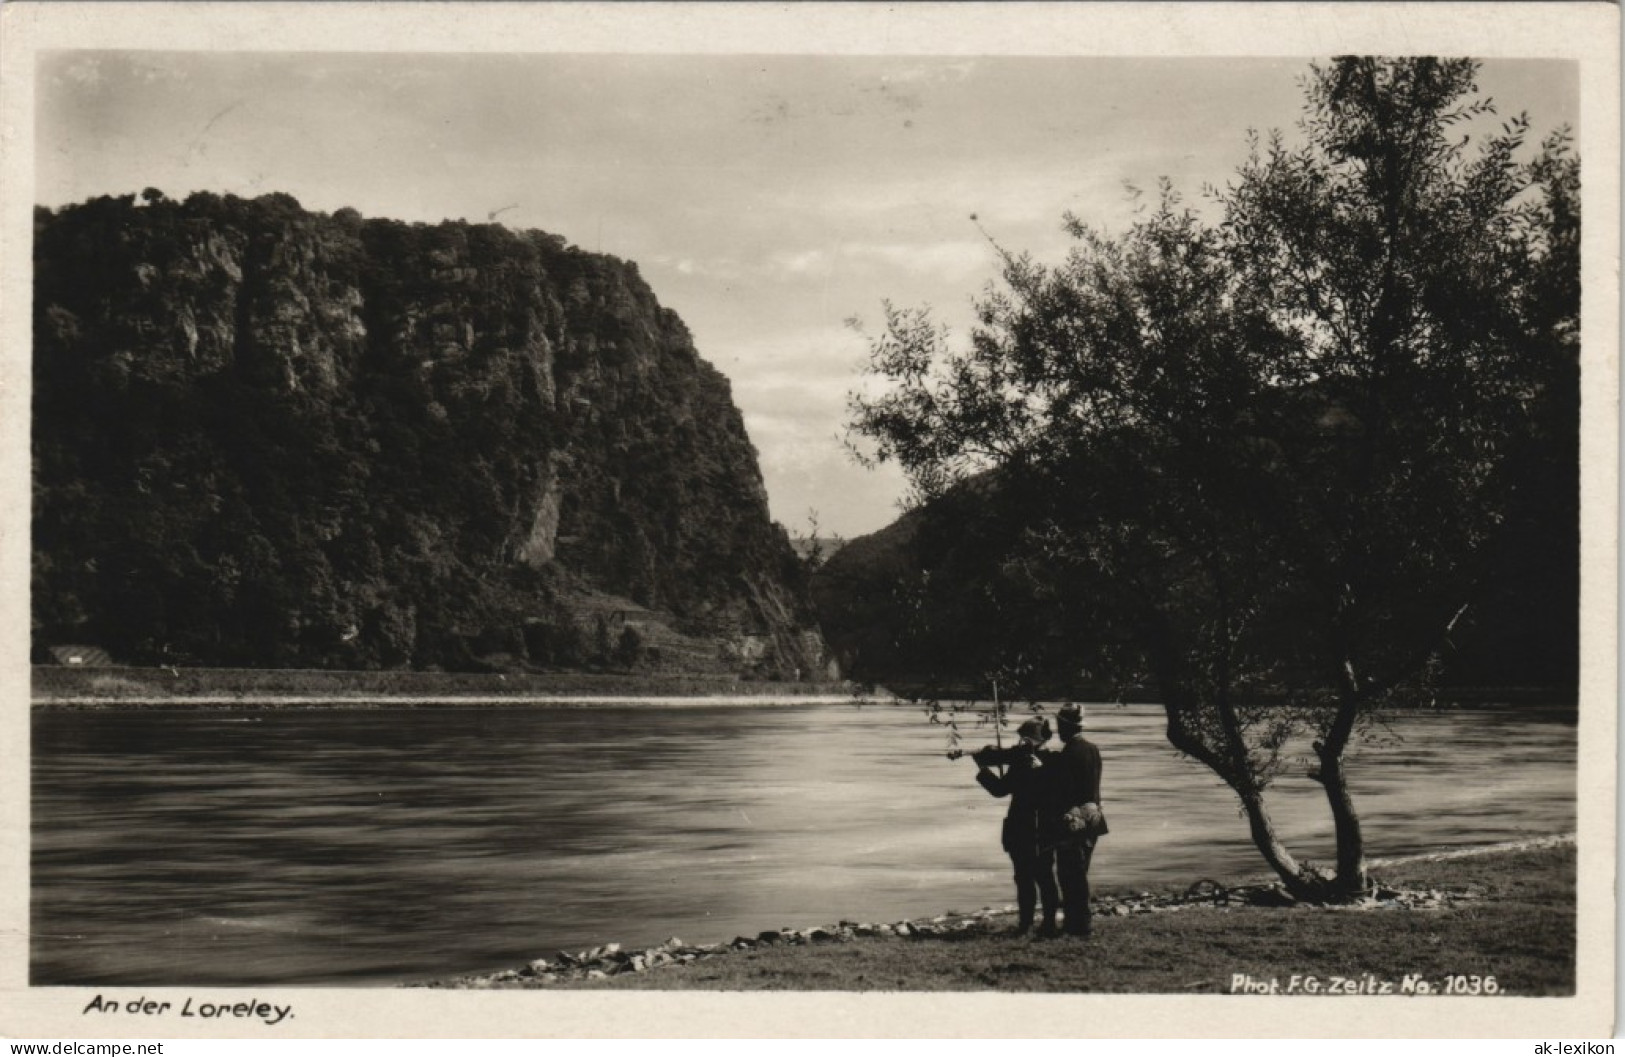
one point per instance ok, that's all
(1229, 760)
(1269, 845)
(1298, 883)
(1351, 877)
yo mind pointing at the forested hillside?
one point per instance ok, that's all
(265, 436)
(937, 602)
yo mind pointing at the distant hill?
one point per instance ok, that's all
(816, 549)
(270, 437)
(921, 604)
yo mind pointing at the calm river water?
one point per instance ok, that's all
(374, 846)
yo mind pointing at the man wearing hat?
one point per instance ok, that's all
(1070, 819)
(1022, 782)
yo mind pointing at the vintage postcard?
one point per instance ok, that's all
(928, 519)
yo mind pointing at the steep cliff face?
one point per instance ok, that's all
(266, 436)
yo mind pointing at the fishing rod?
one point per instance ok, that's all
(998, 724)
(998, 732)
(998, 717)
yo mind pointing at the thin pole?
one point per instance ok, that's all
(998, 723)
(998, 717)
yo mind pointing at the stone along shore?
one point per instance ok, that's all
(613, 960)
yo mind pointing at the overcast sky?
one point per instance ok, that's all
(765, 199)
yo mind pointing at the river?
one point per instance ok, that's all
(383, 845)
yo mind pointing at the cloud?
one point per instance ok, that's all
(1001, 191)
(82, 70)
(900, 99)
(812, 354)
(819, 402)
(792, 387)
(809, 470)
(795, 264)
(159, 71)
(773, 110)
(933, 73)
(723, 269)
(951, 261)
(943, 260)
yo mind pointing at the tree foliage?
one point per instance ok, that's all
(1266, 463)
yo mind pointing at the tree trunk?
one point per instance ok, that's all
(1297, 883)
(1351, 878)
(1230, 762)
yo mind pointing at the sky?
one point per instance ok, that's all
(768, 200)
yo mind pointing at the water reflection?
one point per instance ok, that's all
(371, 846)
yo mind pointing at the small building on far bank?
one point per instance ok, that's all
(79, 656)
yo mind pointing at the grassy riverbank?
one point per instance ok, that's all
(90, 687)
(1506, 913)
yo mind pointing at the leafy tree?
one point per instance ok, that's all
(1264, 464)
(628, 648)
(813, 550)
(603, 642)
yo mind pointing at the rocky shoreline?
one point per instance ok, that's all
(603, 962)
(473, 700)
(55, 686)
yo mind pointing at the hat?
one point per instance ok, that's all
(1071, 715)
(1035, 729)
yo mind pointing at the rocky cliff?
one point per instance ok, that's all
(264, 436)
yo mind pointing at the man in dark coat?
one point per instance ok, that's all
(1070, 819)
(1021, 781)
